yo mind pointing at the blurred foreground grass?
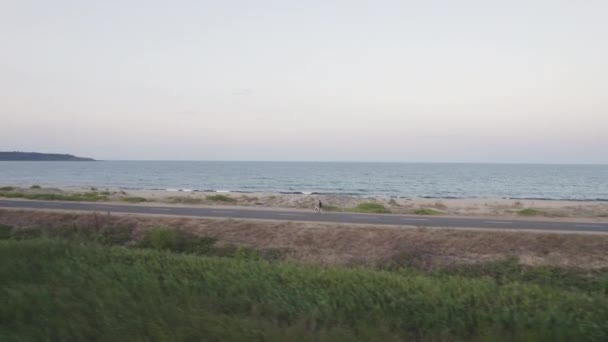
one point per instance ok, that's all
(81, 283)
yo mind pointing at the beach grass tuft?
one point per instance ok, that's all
(370, 207)
(426, 211)
(220, 198)
(81, 197)
(529, 212)
(367, 207)
(185, 200)
(133, 199)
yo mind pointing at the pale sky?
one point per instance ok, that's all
(451, 81)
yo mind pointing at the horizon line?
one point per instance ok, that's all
(356, 161)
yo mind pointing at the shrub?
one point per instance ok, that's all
(185, 200)
(7, 188)
(426, 211)
(35, 187)
(528, 212)
(221, 198)
(371, 208)
(134, 199)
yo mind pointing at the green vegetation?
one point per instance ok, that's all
(133, 199)
(186, 200)
(511, 271)
(7, 188)
(61, 290)
(35, 187)
(176, 241)
(367, 207)
(529, 212)
(83, 283)
(82, 197)
(371, 208)
(426, 211)
(221, 198)
(5, 231)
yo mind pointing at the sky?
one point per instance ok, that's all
(427, 81)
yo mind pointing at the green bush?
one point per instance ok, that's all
(134, 199)
(186, 200)
(221, 198)
(528, 212)
(426, 211)
(7, 188)
(35, 187)
(371, 208)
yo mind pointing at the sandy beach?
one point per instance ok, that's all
(478, 207)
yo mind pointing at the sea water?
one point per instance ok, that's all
(432, 180)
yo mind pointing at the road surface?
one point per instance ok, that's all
(310, 216)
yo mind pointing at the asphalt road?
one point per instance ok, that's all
(301, 215)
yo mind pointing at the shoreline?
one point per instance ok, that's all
(303, 193)
(469, 207)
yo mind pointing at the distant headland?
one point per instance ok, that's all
(34, 156)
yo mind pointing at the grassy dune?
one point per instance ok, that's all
(79, 283)
(80, 197)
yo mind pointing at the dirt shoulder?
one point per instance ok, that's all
(342, 244)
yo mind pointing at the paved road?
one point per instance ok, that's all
(300, 215)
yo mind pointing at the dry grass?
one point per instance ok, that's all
(335, 244)
(440, 205)
(498, 208)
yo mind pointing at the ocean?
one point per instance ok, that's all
(411, 180)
